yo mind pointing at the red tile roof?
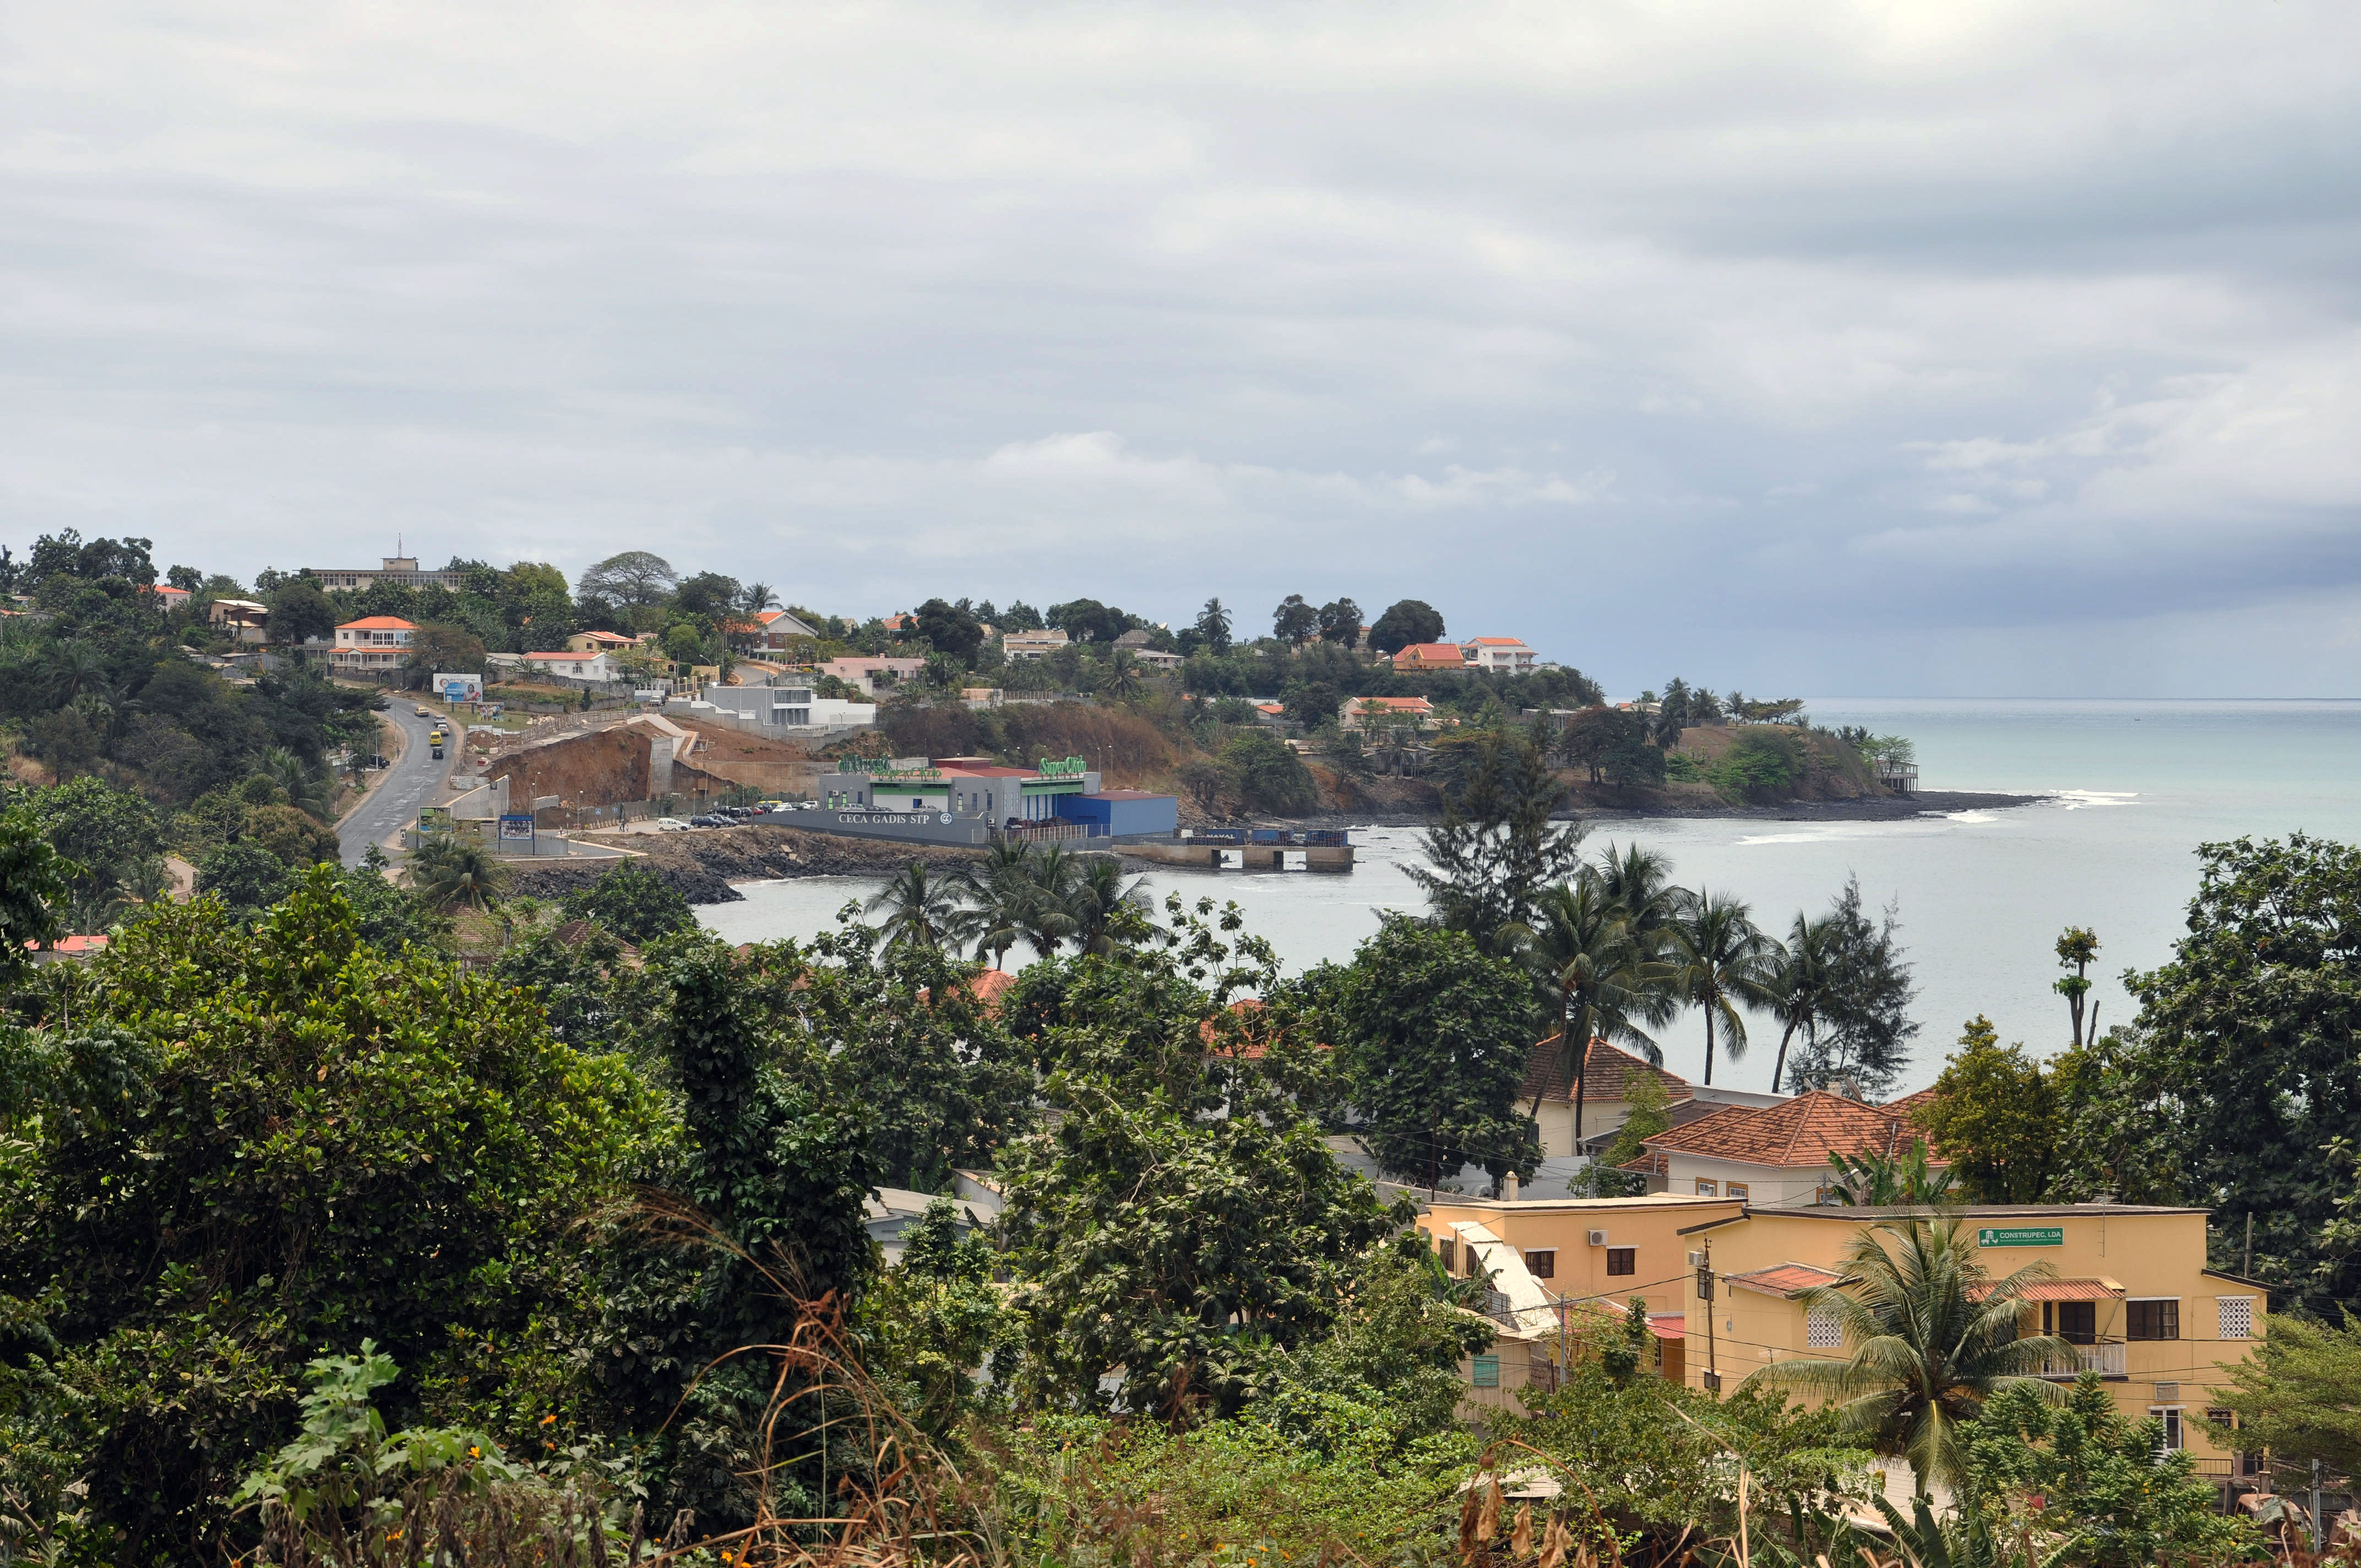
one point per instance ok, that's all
(1803, 1132)
(1432, 653)
(2062, 1291)
(1668, 1325)
(1784, 1278)
(1496, 642)
(1910, 1103)
(78, 944)
(1607, 1075)
(378, 623)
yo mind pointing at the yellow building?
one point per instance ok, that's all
(2127, 1286)
(1549, 1260)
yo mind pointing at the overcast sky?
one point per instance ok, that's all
(1904, 348)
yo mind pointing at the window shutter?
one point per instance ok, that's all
(1822, 1331)
(2236, 1317)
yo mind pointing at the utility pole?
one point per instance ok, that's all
(1705, 1294)
(2249, 1269)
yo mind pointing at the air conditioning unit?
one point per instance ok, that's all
(1697, 1260)
(1599, 1238)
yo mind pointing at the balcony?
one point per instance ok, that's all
(2105, 1358)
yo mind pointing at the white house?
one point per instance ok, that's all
(1032, 644)
(1508, 655)
(572, 664)
(373, 645)
(1387, 713)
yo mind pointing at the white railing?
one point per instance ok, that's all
(2105, 1358)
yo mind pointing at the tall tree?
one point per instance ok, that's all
(1996, 1118)
(2251, 1037)
(921, 909)
(1933, 1337)
(1403, 623)
(1294, 622)
(1802, 976)
(2076, 948)
(635, 578)
(1721, 963)
(1599, 980)
(1497, 848)
(1862, 1045)
(1435, 1037)
(1214, 626)
(1340, 622)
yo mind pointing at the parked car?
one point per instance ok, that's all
(670, 825)
(712, 819)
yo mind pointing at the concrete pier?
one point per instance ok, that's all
(1242, 857)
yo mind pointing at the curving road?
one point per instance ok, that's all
(414, 780)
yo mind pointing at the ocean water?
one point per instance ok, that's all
(2128, 791)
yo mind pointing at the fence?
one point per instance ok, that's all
(1047, 832)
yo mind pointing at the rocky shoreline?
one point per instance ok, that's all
(706, 866)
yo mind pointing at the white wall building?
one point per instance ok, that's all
(373, 645)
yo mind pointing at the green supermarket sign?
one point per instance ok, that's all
(2028, 1235)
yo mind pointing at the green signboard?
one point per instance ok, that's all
(2027, 1235)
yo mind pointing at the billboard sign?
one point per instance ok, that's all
(460, 688)
(517, 827)
(2022, 1236)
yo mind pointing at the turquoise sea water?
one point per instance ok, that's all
(2129, 790)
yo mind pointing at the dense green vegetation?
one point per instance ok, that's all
(312, 1236)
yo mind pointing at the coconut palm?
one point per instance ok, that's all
(303, 789)
(756, 597)
(1098, 897)
(1720, 964)
(1803, 970)
(447, 873)
(1121, 679)
(1047, 920)
(1600, 981)
(1641, 882)
(1933, 1337)
(1001, 893)
(921, 909)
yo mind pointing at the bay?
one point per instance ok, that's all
(2129, 790)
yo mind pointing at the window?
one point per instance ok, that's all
(2152, 1320)
(1622, 1260)
(1543, 1263)
(1448, 1251)
(1737, 1190)
(2236, 1315)
(1484, 1372)
(2172, 1434)
(1822, 1329)
(2077, 1323)
(1708, 1189)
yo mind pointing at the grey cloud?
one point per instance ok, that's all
(1797, 345)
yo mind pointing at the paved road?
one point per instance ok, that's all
(414, 781)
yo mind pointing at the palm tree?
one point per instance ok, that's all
(285, 769)
(1602, 982)
(1640, 884)
(1047, 919)
(921, 910)
(756, 597)
(1719, 962)
(75, 667)
(1933, 1337)
(1121, 678)
(1000, 891)
(1097, 898)
(447, 873)
(1802, 972)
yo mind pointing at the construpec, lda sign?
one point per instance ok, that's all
(2022, 1236)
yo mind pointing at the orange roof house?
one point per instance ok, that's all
(1606, 1076)
(1776, 1155)
(1431, 656)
